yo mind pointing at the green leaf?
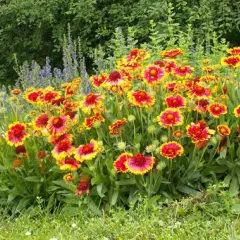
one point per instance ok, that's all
(114, 197)
(92, 206)
(236, 209)
(32, 179)
(129, 181)
(234, 186)
(188, 190)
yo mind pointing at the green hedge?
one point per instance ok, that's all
(34, 29)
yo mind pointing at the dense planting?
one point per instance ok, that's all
(160, 124)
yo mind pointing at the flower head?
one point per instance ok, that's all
(232, 61)
(182, 72)
(199, 92)
(120, 163)
(170, 117)
(58, 125)
(217, 109)
(141, 99)
(199, 132)
(55, 139)
(92, 102)
(69, 163)
(171, 150)
(16, 134)
(98, 81)
(175, 101)
(88, 151)
(234, 51)
(153, 75)
(223, 130)
(140, 164)
(69, 177)
(63, 149)
(83, 185)
(114, 127)
(33, 96)
(41, 122)
(236, 111)
(172, 53)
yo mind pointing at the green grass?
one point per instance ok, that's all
(214, 215)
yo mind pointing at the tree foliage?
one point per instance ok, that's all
(34, 29)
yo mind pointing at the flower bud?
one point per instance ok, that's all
(161, 165)
(164, 138)
(151, 129)
(121, 146)
(131, 118)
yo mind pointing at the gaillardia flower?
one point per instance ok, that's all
(91, 102)
(223, 130)
(49, 95)
(170, 117)
(172, 53)
(83, 185)
(54, 139)
(232, 61)
(171, 150)
(32, 96)
(178, 134)
(41, 122)
(69, 163)
(217, 109)
(199, 132)
(16, 134)
(182, 72)
(236, 111)
(62, 150)
(98, 81)
(58, 125)
(140, 164)
(88, 151)
(141, 99)
(153, 75)
(120, 163)
(199, 92)
(234, 51)
(175, 101)
(114, 127)
(69, 177)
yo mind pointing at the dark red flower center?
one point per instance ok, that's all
(57, 122)
(89, 148)
(139, 159)
(114, 76)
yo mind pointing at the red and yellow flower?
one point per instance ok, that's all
(69, 177)
(41, 122)
(217, 109)
(140, 164)
(98, 81)
(172, 53)
(199, 132)
(175, 101)
(120, 163)
(171, 150)
(89, 122)
(16, 134)
(88, 151)
(58, 125)
(114, 127)
(69, 163)
(62, 150)
(55, 139)
(183, 71)
(236, 111)
(201, 105)
(49, 95)
(234, 51)
(223, 130)
(33, 95)
(153, 75)
(92, 102)
(199, 92)
(83, 185)
(178, 134)
(170, 117)
(141, 99)
(232, 61)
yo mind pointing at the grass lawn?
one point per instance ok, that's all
(210, 216)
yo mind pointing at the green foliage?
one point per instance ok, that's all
(34, 30)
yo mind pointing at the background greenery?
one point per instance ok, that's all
(34, 29)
